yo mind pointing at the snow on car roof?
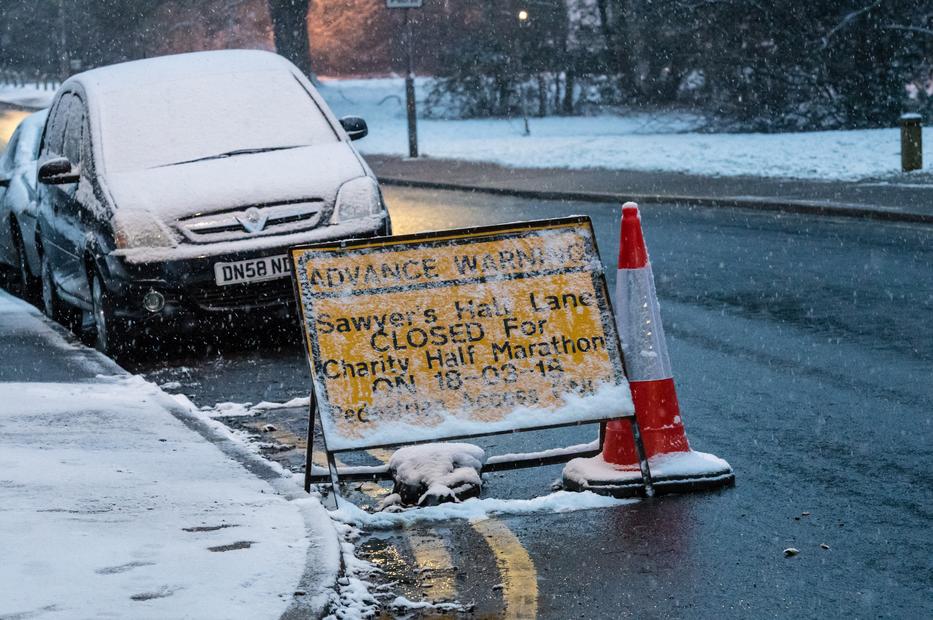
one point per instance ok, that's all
(175, 109)
(139, 73)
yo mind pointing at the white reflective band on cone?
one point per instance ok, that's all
(638, 318)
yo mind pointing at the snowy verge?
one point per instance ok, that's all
(27, 96)
(666, 142)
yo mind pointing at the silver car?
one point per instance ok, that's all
(18, 203)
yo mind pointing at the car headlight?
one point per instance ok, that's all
(138, 229)
(357, 199)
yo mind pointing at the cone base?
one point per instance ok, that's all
(670, 473)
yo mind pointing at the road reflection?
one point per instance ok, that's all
(9, 120)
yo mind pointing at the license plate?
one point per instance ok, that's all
(252, 270)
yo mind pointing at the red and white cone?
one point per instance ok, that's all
(674, 466)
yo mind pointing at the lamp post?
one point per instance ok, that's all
(410, 110)
(522, 25)
(410, 91)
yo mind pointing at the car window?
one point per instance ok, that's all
(74, 130)
(192, 118)
(52, 143)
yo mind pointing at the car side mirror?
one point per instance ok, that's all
(355, 127)
(57, 171)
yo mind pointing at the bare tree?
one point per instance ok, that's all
(290, 29)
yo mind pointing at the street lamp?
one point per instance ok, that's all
(522, 24)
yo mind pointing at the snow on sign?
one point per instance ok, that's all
(459, 333)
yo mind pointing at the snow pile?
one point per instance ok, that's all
(403, 604)
(673, 465)
(233, 409)
(476, 509)
(435, 473)
(636, 141)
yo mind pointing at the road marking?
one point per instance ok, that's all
(381, 454)
(519, 577)
(9, 121)
(516, 568)
(280, 436)
(433, 557)
(437, 578)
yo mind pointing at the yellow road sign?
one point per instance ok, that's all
(459, 333)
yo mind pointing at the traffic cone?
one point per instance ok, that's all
(647, 363)
(674, 466)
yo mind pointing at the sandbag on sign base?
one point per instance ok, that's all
(677, 472)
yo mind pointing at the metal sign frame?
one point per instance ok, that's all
(333, 474)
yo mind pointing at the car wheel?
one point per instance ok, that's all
(109, 331)
(52, 306)
(27, 283)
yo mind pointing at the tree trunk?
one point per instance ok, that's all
(637, 31)
(290, 29)
(569, 87)
(557, 92)
(606, 29)
(542, 95)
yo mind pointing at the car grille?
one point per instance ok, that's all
(247, 295)
(286, 217)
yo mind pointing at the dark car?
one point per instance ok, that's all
(18, 203)
(171, 187)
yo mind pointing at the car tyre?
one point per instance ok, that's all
(26, 282)
(110, 333)
(52, 306)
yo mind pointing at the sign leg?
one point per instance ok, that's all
(309, 448)
(642, 458)
(334, 482)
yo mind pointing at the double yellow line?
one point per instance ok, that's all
(519, 585)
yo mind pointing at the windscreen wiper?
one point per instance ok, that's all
(234, 153)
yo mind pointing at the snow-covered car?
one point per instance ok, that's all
(171, 187)
(18, 202)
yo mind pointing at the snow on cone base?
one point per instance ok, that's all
(676, 472)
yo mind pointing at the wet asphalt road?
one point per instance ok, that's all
(803, 354)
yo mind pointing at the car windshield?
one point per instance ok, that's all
(181, 121)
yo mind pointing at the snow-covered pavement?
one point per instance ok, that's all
(113, 501)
